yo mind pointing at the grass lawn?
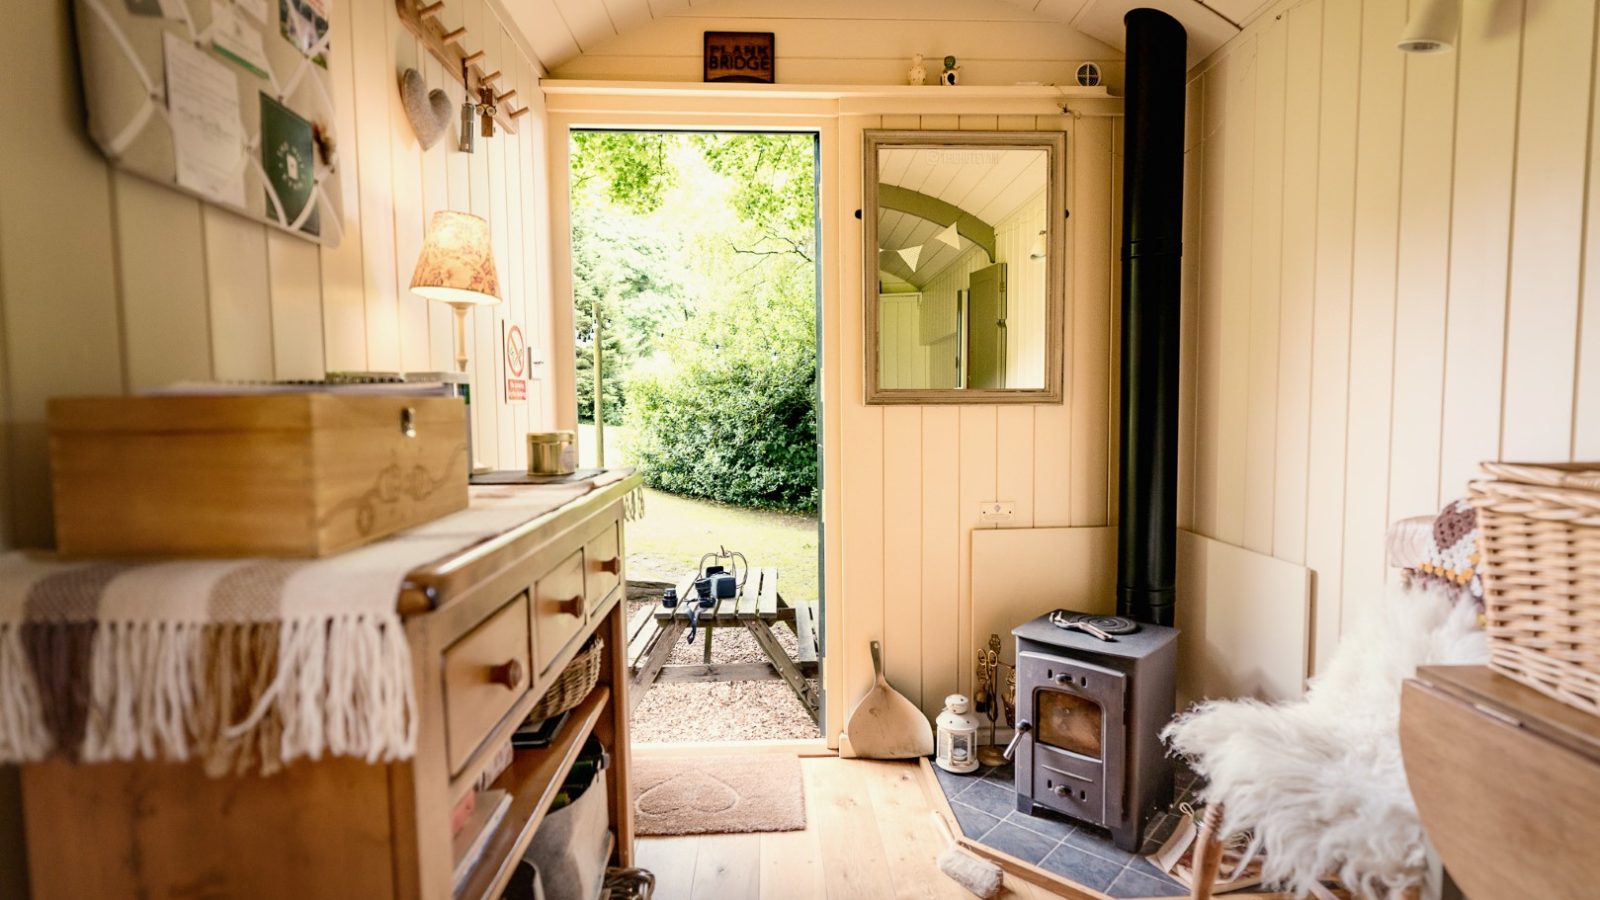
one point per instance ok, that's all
(676, 531)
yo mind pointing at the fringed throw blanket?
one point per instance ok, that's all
(243, 664)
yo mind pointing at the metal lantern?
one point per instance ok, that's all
(958, 736)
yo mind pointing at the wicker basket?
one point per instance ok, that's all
(576, 681)
(1540, 531)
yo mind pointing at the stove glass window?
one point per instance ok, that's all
(1069, 722)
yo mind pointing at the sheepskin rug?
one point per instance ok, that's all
(1319, 780)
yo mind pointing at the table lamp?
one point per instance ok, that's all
(456, 266)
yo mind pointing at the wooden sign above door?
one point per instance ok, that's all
(739, 56)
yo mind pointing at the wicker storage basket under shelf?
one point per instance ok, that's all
(576, 681)
(1540, 531)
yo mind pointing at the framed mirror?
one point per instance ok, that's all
(964, 266)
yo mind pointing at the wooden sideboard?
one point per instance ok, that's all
(1507, 782)
(490, 629)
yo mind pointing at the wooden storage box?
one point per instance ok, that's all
(246, 475)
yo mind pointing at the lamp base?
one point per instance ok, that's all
(461, 335)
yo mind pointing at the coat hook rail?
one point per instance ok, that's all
(422, 19)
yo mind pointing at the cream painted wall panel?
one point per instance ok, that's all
(1014, 448)
(1330, 350)
(295, 300)
(1266, 272)
(850, 38)
(1194, 200)
(1215, 233)
(374, 80)
(1244, 623)
(942, 537)
(1302, 104)
(902, 550)
(344, 312)
(992, 68)
(1421, 283)
(861, 487)
(1232, 350)
(978, 479)
(1480, 239)
(57, 277)
(1586, 398)
(1547, 231)
(405, 154)
(1372, 309)
(1016, 576)
(241, 305)
(1089, 363)
(161, 255)
(436, 195)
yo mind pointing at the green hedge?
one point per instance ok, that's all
(730, 430)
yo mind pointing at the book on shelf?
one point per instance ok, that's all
(497, 766)
(462, 812)
(488, 811)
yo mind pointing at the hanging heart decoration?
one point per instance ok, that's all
(430, 112)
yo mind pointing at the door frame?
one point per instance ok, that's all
(624, 112)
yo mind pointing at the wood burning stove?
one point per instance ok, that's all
(1090, 708)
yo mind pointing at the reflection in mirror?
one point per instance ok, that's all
(962, 267)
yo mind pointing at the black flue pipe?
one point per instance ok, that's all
(1152, 248)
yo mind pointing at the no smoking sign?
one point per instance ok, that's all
(516, 363)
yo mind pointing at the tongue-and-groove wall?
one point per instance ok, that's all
(1397, 274)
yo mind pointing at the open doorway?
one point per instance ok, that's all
(695, 259)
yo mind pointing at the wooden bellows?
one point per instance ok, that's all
(1539, 526)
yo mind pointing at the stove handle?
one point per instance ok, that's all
(1024, 727)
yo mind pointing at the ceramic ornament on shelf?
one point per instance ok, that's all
(430, 112)
(918, 73)
(952, 72)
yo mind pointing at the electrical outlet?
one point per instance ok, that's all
(993, 511)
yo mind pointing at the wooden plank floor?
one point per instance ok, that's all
(868, 835)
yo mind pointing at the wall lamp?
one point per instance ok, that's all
(1433, 27)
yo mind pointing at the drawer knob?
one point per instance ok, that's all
(508, 674)
(1062, 791)
(572, 606)
(612, 566)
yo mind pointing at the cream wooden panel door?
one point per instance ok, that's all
(986, 328)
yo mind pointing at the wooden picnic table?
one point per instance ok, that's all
(655, 630)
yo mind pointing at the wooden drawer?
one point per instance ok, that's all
(485, 673)
(559, 607)
(604, 560)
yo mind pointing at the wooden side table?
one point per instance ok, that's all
(1507, 783)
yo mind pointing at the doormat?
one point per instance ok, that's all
(718, 795)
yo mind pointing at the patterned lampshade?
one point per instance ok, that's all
(457, 261)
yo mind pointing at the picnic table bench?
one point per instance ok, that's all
(655, 630)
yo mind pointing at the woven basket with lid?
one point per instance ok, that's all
(1540, 531)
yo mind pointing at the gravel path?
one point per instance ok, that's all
(722, 711)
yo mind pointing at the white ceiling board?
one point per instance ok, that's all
(1207, 30)
(545, 30)
(1240, 12)
(628, 14)
(587, 20)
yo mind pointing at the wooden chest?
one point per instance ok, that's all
(243, 475)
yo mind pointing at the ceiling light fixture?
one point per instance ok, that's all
(1433, 27)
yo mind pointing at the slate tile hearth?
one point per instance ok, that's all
(985, 807)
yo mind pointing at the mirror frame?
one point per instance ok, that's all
(1055, 145)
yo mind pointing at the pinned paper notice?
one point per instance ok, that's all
(236, 39)
(207, 134)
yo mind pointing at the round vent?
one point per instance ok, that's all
(1089, 74)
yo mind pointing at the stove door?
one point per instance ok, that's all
(1077, 760)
